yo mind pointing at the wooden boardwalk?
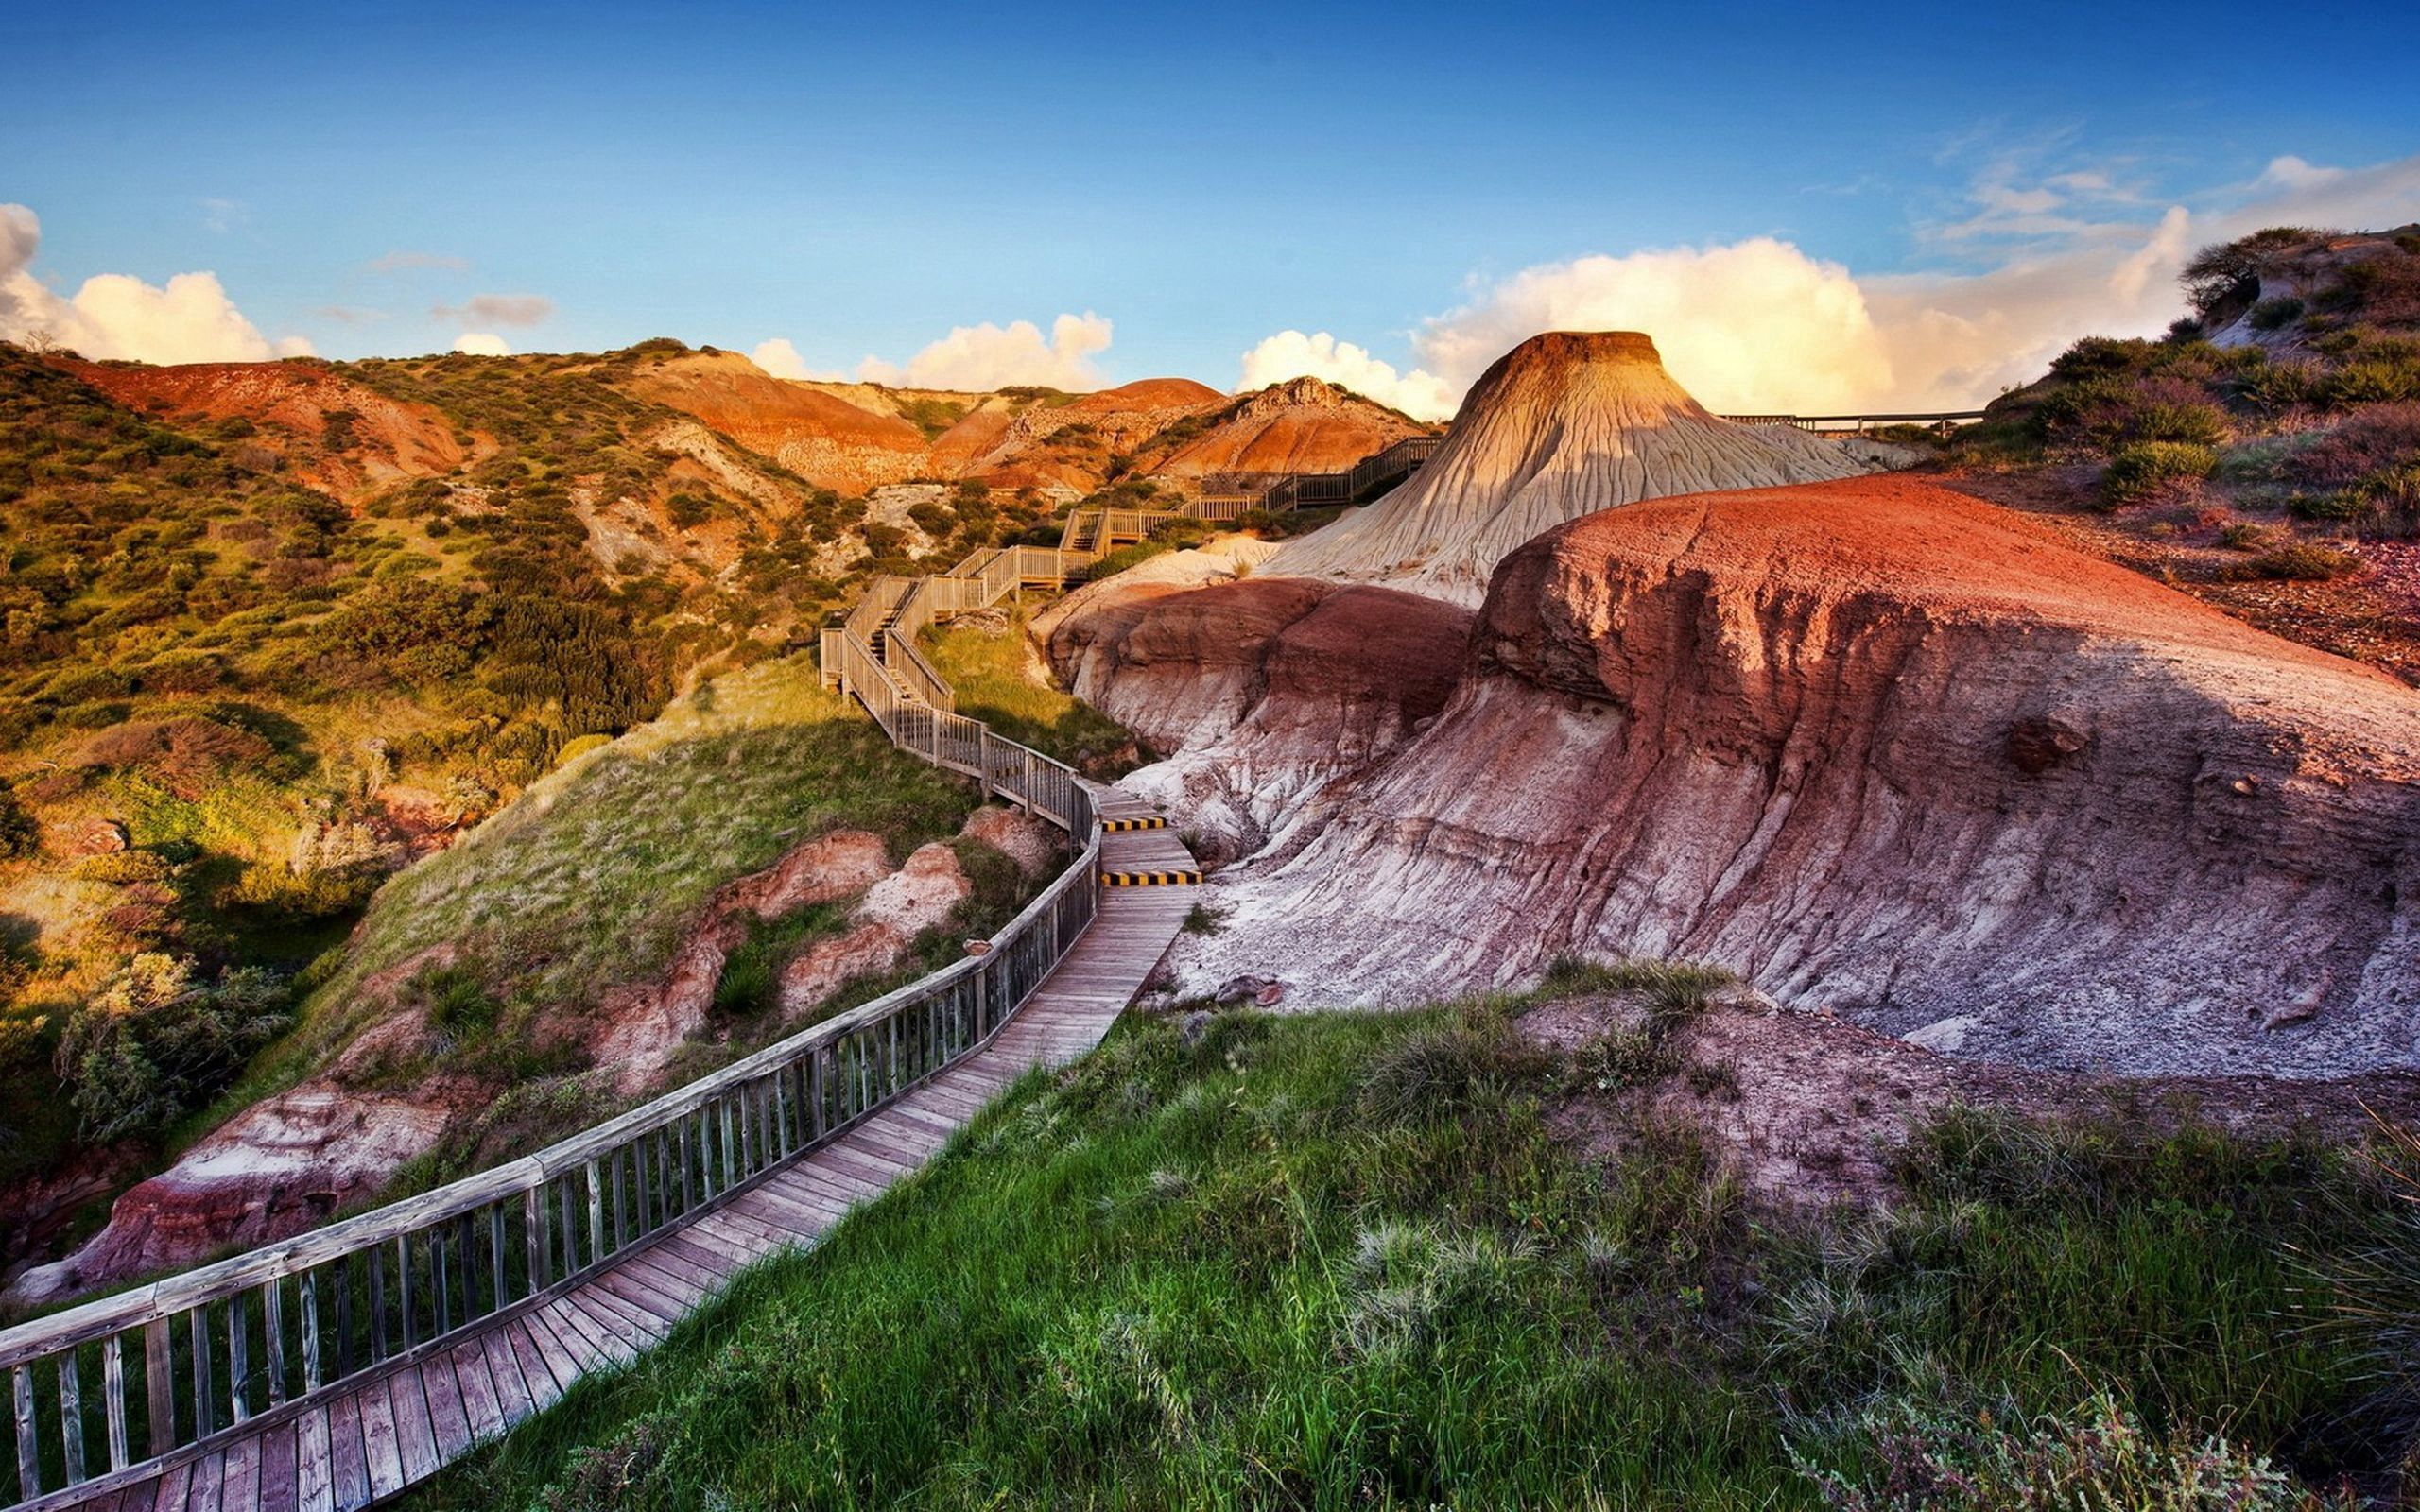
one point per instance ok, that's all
(399, 1426)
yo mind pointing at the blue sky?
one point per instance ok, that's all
(860, 180)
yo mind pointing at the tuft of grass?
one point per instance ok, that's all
(2303, 562)
(2141, 469)
(1673, 991)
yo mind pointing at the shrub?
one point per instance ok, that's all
(2275, 386)
(2103, 357)
(2138, 470)
(2379, 380)
(2276, 311)
(2242, 536)
(19, 835)
(2232, 270)
(155, 1044)
(2360, 445)
(2340, 507)
(1907, 435)
(2304, 562)
(2194, 421)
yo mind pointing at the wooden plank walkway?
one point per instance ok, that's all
(400, 1426)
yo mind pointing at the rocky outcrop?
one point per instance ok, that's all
(826, 440)
(1563, 425)
(1263, 690)
(1881, 749)
(331, 432)
(646, 1024)
(1301, 425)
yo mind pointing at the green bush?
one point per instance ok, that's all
(2340, 507)
(2274, 312)
(2198, 424)
(156, 1043)
(2275, 386)
(2140, 470)
(2381, 380)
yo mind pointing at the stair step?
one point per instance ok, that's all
(1151, 879)
(1116, 826)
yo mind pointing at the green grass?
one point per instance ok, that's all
(1231, 1268)
(1000, 678)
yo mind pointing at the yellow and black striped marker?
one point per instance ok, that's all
(1150, 879)
(1116, 826)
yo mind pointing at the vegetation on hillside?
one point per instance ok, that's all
(1000, 678)
(1349, 1261)
(233, 703)
(2288, 456)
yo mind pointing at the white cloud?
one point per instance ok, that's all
(1755, 325)
(189, 319)
(1760, 326)
(497, 309)
(482, 344)
(990, 357)
(1292, 354)
(780, 358)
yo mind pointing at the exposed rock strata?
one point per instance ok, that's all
(1563, 425)
(1266, 690)
(1302, 426)
(1879, 747)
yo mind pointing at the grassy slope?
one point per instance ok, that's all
(588, 880)
(998, 680)
(1342, 1260)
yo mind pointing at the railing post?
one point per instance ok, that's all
(309, 1297)
(114, 1396)
(273, 1337)
(596, 1215)
(71, 1417)
(533, 1214)
(159, 1385)
(495, 1249)
(377, 1304)
(204, 1417)
(239, 1360)
(28, 1444)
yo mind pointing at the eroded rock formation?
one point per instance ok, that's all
(1263, 690)
(1563, 425)
(1879, 747)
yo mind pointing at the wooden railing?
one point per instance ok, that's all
(101, 1389)
(1231, 495)
(1942, 421)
